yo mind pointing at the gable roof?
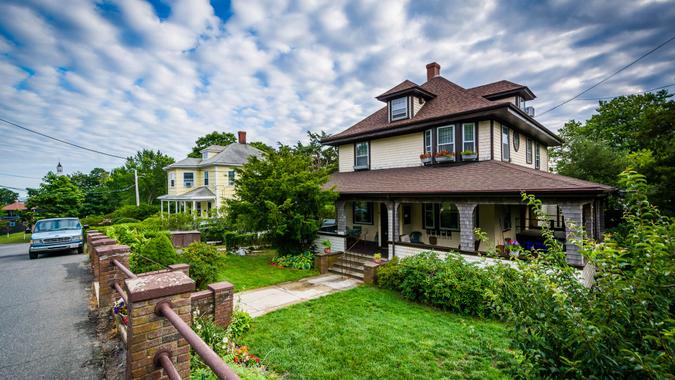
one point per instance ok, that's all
(16, 206)
(482, 177)
(405, 85)
(234, 154)
(498, 88)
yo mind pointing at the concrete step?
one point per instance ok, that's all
(346, 272)
(361, 256)
(343, 266)
(351, 261)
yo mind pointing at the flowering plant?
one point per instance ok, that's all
(242, 356)
(120, 311)
(445, 153)
(426, 155)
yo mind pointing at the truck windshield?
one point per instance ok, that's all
(57, 225)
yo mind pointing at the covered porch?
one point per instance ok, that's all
(198, 202)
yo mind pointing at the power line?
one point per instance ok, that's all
(13, 188)
(610, 76)
(17, 176)
(62, 141)
(635, 93)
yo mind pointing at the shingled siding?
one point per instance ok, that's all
(484, 140)
(337, 242)
(396, 152)
(346, 158)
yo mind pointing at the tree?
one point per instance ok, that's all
(636, 131)
(213, 138)
(321, 156)
(283, 195)
(152, 180)
(7, 196)
(56, 197)
(98, 197)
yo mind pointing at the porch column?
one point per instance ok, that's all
(466, 238)
(573, 212)
(600, 218)
(161, 208)
(341, 217)
(390, 226)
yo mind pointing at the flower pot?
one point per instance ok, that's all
(469, 157)
(326, 250)
(444, 159)
(426, 160)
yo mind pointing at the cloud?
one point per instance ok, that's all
(119, 76)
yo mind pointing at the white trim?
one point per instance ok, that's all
(407, 109)
(438, 138)
(473, 141)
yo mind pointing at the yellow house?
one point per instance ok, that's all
(200, 185)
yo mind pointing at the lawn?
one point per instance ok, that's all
(368, 333)
(256, 271)
(14, 238)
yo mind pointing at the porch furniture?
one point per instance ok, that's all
(405, 238)
(354, 232)
(415, 237)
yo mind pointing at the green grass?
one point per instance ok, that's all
(256, 271)
(14, 238)
(371, 333)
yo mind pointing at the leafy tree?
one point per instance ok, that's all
(98, 198)
(7, 196)
(213, 138)
(57, 196)
(636, 131)
(321, 156)
(262, 146)
(152, 180)
(283, 195)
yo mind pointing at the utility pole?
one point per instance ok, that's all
(138, 200)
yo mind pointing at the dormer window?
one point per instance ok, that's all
(399, 109)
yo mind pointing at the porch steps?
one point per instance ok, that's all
(350, 264)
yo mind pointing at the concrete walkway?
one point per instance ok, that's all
(261, 301)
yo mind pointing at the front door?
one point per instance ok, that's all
(384, 225)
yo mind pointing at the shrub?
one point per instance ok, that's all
(95, 220)
(135, 212)
(155, 254)
(234, 239)
(304, 260)
(124, 220)
(240, 324)
(204, 260)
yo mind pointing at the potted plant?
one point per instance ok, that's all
(445, 156)
(426, 158)
(327, 245)
(468, 155)
(377, 258)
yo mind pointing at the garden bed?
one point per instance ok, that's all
(373, 333)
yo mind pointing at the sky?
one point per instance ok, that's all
(120, 76)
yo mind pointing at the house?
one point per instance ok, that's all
(438, 160)
(12, 213)
(199, 185)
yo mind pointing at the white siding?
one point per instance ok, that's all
(395, 152)
(497, 140)
(544, 158)
(484, 140)
(416, 105)
(337, 242)
(346, 157)
(518, 157)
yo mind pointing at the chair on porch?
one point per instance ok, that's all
(416, 237)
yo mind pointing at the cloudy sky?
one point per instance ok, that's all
(124, 75)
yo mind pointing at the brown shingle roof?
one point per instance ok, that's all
(495, 88)
(469, 178)
(405, 85)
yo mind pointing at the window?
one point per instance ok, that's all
(516, 140)
(361, 155)
(205, 155)
(528, 150)
(446, 138)
(469, 137)
(428, 141)
(520, 102)
(172, 179)
(506, 223)
(449, 217)
(206, 178)
(230, 178)
(188, 179)
(537, 156)
(363, 212)
(399, 109)
(429, 216)
(506, 146)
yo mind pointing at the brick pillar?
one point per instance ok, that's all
(185, 268)
(572, 211)
(323, 261)
(108, 272)
(341, 217)
(370, 271)
(466, 237)
(149, 333)
(223, 302)
(93, 258)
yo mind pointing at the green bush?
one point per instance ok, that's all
(135, 212)
(234, 239)
(155, 254)
(124, 220)
(240, 324)
(205, 262)
(95, 220)
(304, 260)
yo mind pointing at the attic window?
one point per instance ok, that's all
(399, 109)
(205, 155)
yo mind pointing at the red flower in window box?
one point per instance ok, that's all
(444, 156)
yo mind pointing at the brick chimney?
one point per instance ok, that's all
(433, 70)
(242, 137)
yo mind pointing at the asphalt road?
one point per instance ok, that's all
(45, 331)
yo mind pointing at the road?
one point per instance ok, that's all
(45, 331)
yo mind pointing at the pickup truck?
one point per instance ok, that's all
(55, 235)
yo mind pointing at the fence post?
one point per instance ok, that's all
(223, 302)
(108, 273)
(149, 333)
(97, 241)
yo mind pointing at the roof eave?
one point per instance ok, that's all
(414, 90)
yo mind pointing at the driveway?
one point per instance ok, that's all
(45, 331)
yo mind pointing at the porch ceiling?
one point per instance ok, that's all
(483, 177)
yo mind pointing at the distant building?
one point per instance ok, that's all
(14, 211)
(59, 169)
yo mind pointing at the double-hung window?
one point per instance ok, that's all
(428, 141)
(172, 179)
(361, 152)
(206, 178)
(429, 216)
(230, 177)
(446, 138)
(188, 179)
(449, 217)
(399, 109)
(537, 156)
(528, 150)
(469, 138)
(363, 212)
(506, 144)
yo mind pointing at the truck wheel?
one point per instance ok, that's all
(32, 255)
(80, 249)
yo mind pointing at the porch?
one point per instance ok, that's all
(198, 202)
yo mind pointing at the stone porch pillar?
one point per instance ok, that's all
(391, 207)
(341, 217)
(573, 213)
(466, 238)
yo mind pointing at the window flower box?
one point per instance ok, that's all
(426, 158)
(444, 156)
(468, 155)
